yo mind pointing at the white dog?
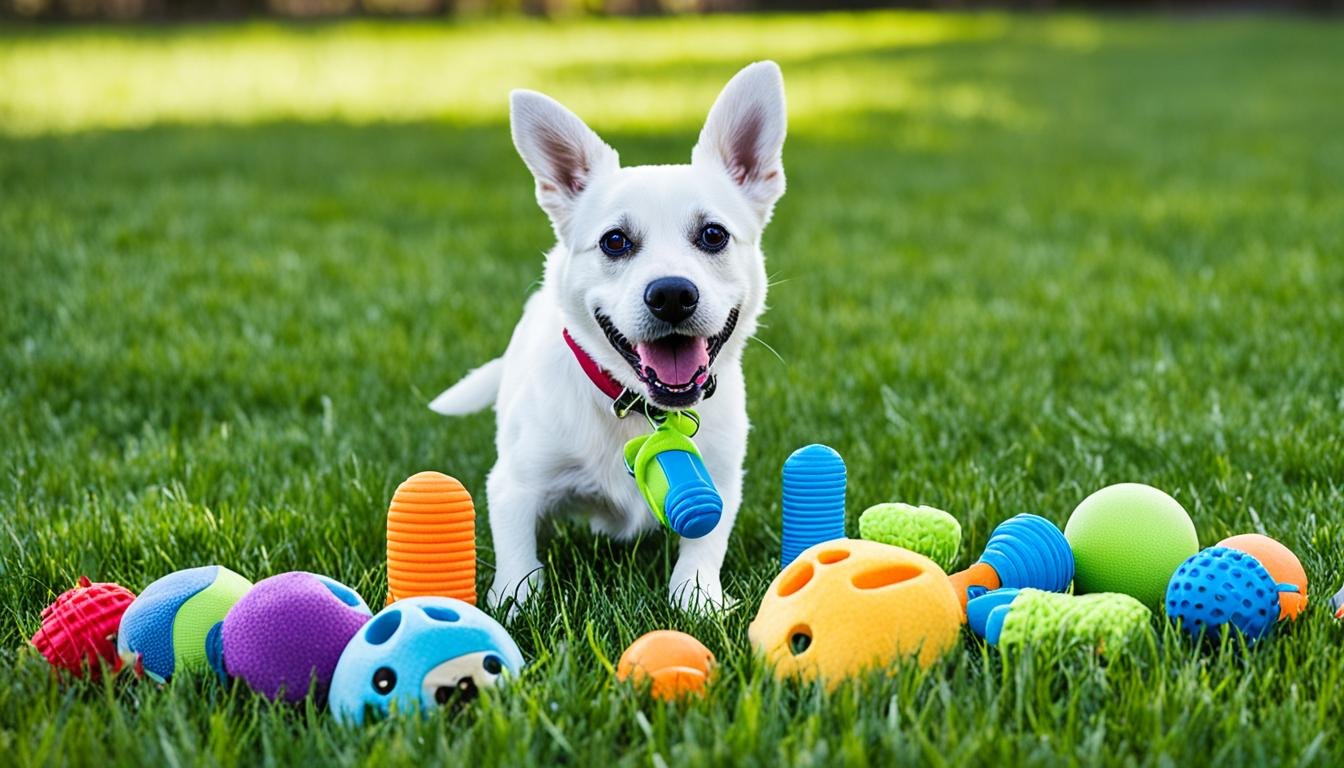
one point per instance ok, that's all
(649, 295)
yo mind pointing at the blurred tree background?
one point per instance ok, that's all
(172, 10)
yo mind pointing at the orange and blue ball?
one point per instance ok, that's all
(1219, 588)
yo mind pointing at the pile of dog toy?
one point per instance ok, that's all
(839, 606)
(298, 634)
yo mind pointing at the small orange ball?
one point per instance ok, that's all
(677, 664)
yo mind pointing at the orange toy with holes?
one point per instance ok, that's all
(675, 663)
(431, 539)
(847, 606)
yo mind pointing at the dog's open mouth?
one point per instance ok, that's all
(675, 367)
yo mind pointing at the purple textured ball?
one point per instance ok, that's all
(288, 631)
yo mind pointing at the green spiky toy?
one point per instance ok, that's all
(1107, 622)
(928, 531)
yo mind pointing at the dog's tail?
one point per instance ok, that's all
(476, 391)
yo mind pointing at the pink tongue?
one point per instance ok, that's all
(674, 361)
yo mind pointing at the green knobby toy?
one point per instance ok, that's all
(928, 531)
(1106, 622)
(672, 477)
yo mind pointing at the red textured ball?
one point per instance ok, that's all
(79, 630)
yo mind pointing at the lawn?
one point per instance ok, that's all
(1020, 258)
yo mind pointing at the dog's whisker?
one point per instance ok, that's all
(760, 341)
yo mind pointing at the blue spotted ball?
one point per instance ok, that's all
(420, 653)
(1221, 587)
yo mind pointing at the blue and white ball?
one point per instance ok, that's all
(418, 654)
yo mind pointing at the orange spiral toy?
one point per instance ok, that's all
(431, 539)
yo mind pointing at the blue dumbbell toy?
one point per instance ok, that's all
(814, 499)
(672, 477)
(1220, 587)
(419, 653)
(1023, 551)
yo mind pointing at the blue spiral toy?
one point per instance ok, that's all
(1029, 551)
(1025, 551)
(1220, 587)
(693, 505)
(814, 499)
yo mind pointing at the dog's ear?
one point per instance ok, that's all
(562, 152)
(744, 134)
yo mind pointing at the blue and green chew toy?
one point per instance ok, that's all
(1105, 622)
(1015, 594)
(672, 477)
(1023, 552)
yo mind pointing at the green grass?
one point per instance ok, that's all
(1019, 259)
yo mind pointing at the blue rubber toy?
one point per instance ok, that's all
(1024, 551)
(672, 477)
(986, 611)
(814, 500)
(420, 653)
(693, 505)
(1220, 587)
(1029, 551)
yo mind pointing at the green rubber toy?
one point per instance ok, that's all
(1106, 622)
(930, 532)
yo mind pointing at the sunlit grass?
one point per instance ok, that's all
(838, 67)
(362, 72)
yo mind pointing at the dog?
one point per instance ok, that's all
(655, 283)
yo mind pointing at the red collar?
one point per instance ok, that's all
(596, 373)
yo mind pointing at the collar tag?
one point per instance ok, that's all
(625, 403)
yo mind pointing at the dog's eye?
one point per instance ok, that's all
(615, 243)
(713, 238)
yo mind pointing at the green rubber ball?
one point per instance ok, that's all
(1129, 538)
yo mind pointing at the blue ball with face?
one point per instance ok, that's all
(420, 653)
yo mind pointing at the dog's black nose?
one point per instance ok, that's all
(672, 299)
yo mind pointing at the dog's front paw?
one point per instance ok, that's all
(510, 593)
(700, 594)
